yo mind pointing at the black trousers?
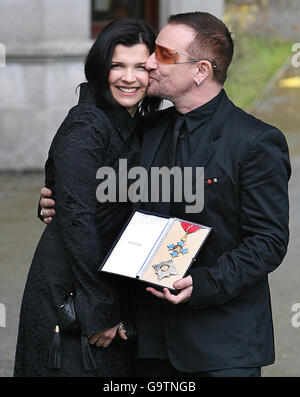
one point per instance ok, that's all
(163, 368)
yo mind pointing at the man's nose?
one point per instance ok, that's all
(129, 76)
(151, 62)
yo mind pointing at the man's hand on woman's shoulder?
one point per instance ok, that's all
(47, 205)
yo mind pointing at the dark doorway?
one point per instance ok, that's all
(105, 11)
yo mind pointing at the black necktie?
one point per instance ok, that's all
(173, 142)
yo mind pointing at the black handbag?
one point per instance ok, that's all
(68, 324)
(67, 318)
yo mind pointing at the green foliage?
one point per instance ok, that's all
(259, 49)
(254, 64)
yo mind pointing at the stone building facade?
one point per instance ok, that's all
(44, 43)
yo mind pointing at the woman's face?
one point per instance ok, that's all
(128, 79)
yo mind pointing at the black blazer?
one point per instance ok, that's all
(228, 322)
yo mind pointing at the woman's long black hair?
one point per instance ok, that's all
(127, 32)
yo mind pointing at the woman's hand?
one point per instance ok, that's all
(105, 338)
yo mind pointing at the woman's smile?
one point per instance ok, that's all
(128, 91)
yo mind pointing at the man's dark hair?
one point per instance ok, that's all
(212, 40)
(127, 32)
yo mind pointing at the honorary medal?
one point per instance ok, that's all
(178, 248)
(165, 269)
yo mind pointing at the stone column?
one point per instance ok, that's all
(45, 42)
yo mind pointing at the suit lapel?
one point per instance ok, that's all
(207, 146)
(220, 116)
(204, 151)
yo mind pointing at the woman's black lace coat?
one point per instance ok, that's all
(74, 244)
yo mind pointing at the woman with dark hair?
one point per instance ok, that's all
(97, 132)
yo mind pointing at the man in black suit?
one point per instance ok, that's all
(219, 324)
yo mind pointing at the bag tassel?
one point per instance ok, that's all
(55, 350)
(87, 358)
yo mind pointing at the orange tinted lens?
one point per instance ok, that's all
(164, 55)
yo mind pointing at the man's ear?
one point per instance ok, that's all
(202, 72)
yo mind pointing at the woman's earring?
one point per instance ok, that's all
(198, 83)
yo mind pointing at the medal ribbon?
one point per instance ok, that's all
(189, 227)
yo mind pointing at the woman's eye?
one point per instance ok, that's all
(119, 66)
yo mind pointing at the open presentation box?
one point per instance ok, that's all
(155, 249)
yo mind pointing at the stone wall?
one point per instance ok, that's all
(46, 42)
(169, 7)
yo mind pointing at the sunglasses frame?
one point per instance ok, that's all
(174, 52)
